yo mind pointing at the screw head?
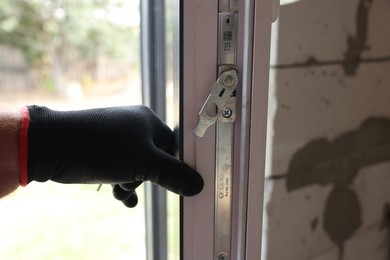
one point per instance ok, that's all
(222, 256)
(227, 112)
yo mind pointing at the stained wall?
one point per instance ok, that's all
(328, 175)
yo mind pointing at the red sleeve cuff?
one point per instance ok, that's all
(23, 146)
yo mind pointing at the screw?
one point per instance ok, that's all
(222, 256)
(227, 112)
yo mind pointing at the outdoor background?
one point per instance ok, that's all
(70, 54)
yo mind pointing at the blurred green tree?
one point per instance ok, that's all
(53, 34)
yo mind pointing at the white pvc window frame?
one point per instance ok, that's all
(199, 63)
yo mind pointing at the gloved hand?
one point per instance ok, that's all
(123, 146)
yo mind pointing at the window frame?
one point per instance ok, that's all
(153, 67)
(199, 64)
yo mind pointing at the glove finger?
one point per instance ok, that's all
(164, 139)
(131, 201)
(175, 175)
(131, 186)
(119, 193)
(128, 198)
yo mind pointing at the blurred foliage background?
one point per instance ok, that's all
(70, 54)
(77, 54)
(68, 40)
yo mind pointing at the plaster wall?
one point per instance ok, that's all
(327, 190)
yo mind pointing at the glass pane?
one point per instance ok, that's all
(70, 55)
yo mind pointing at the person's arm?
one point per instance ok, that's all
(9, 151)
(122, 146)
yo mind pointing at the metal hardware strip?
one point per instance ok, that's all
(220, 108)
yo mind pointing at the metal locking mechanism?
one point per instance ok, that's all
(220, 109)
(214, 107)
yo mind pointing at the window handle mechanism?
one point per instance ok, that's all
(215, 109)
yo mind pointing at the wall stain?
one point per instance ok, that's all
(356, 45)
(342, 216)
(313, 62)
(314, 224)
(386, 225)
(337, 163)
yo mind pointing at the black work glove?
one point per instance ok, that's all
(123, 146)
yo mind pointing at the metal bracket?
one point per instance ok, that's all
(214, 107)
(220, 108)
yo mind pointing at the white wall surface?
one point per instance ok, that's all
(328, 178)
